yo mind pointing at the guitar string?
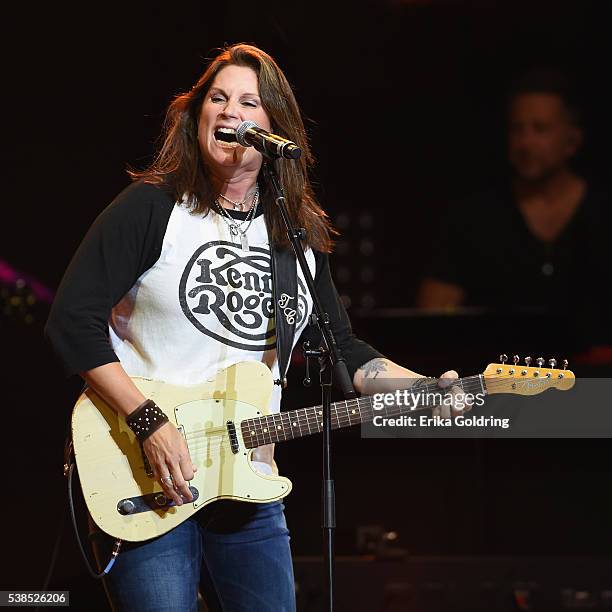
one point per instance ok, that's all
(304, 418)
(308, 417)
(302, 413)
(264, 434)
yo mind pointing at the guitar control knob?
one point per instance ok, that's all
(528, 361)
(503, 358)
(540, 361)
(552, 363)
(126, 506)
(160, 499)
(515, 359)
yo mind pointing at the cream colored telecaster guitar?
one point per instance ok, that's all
(223, 420)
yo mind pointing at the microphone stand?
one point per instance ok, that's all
(330, 361)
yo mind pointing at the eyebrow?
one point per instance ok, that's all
(225, 94)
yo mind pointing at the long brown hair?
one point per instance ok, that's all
(179, 164)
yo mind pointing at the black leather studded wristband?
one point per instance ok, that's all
(146, 419)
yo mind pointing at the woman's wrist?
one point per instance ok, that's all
(146, 419)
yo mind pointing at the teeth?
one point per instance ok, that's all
(225, 137)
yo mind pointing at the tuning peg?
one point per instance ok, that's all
(540, 361)
(552, 363)
(503, 358)
(565, 363)
(528, 361)
(515, 359)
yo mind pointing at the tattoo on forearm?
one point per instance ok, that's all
(372, 368)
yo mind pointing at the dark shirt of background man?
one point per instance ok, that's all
(539, 243)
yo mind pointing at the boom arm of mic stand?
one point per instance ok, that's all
(339, 365)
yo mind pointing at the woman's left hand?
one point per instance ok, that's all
(461, 401)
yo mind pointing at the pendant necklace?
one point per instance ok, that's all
(235, 227)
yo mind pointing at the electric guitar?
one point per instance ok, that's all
(223, 420)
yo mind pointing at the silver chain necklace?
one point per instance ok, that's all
(235, 227)
(236, 205)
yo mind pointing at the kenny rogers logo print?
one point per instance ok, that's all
(230, 290)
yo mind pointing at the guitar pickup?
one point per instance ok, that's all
(151, 501)
(231, 430)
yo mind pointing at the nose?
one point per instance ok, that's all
(230, 110)
(522, 139)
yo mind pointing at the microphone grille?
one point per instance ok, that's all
(241, 131)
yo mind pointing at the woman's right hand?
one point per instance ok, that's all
(165, 448)
(169, 458)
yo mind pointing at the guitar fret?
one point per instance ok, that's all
(283, 422)
(307, 420)
(349, 412)
(336, 413)
(252, 433)
(294, 422)
(315, 417)
(309, 417)
(354, 417)
(261, 438)
(274, 430)
(359, 415)
(254, 429)
(290, 421)
(348, 416)
(280, 428)
(266, 430)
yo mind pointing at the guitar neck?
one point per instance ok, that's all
(294, 424)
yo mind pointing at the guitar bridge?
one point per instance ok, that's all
(231, 430)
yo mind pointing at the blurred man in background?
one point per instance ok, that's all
(537, 244)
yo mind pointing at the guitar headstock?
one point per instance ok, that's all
(526, 379)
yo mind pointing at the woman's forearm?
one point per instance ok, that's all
(381, 375)
(112, 383)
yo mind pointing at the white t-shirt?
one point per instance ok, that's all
(204, 305)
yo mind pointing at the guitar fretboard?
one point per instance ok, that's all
(294, 424)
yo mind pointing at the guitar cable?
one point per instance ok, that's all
(69, 466)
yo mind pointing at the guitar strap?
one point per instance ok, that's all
(284, 287)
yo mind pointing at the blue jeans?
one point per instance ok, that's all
(236, 553)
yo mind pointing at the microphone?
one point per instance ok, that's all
(249, 134)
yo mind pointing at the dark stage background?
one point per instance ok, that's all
(404, 99)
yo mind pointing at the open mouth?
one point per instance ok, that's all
(226, 137)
